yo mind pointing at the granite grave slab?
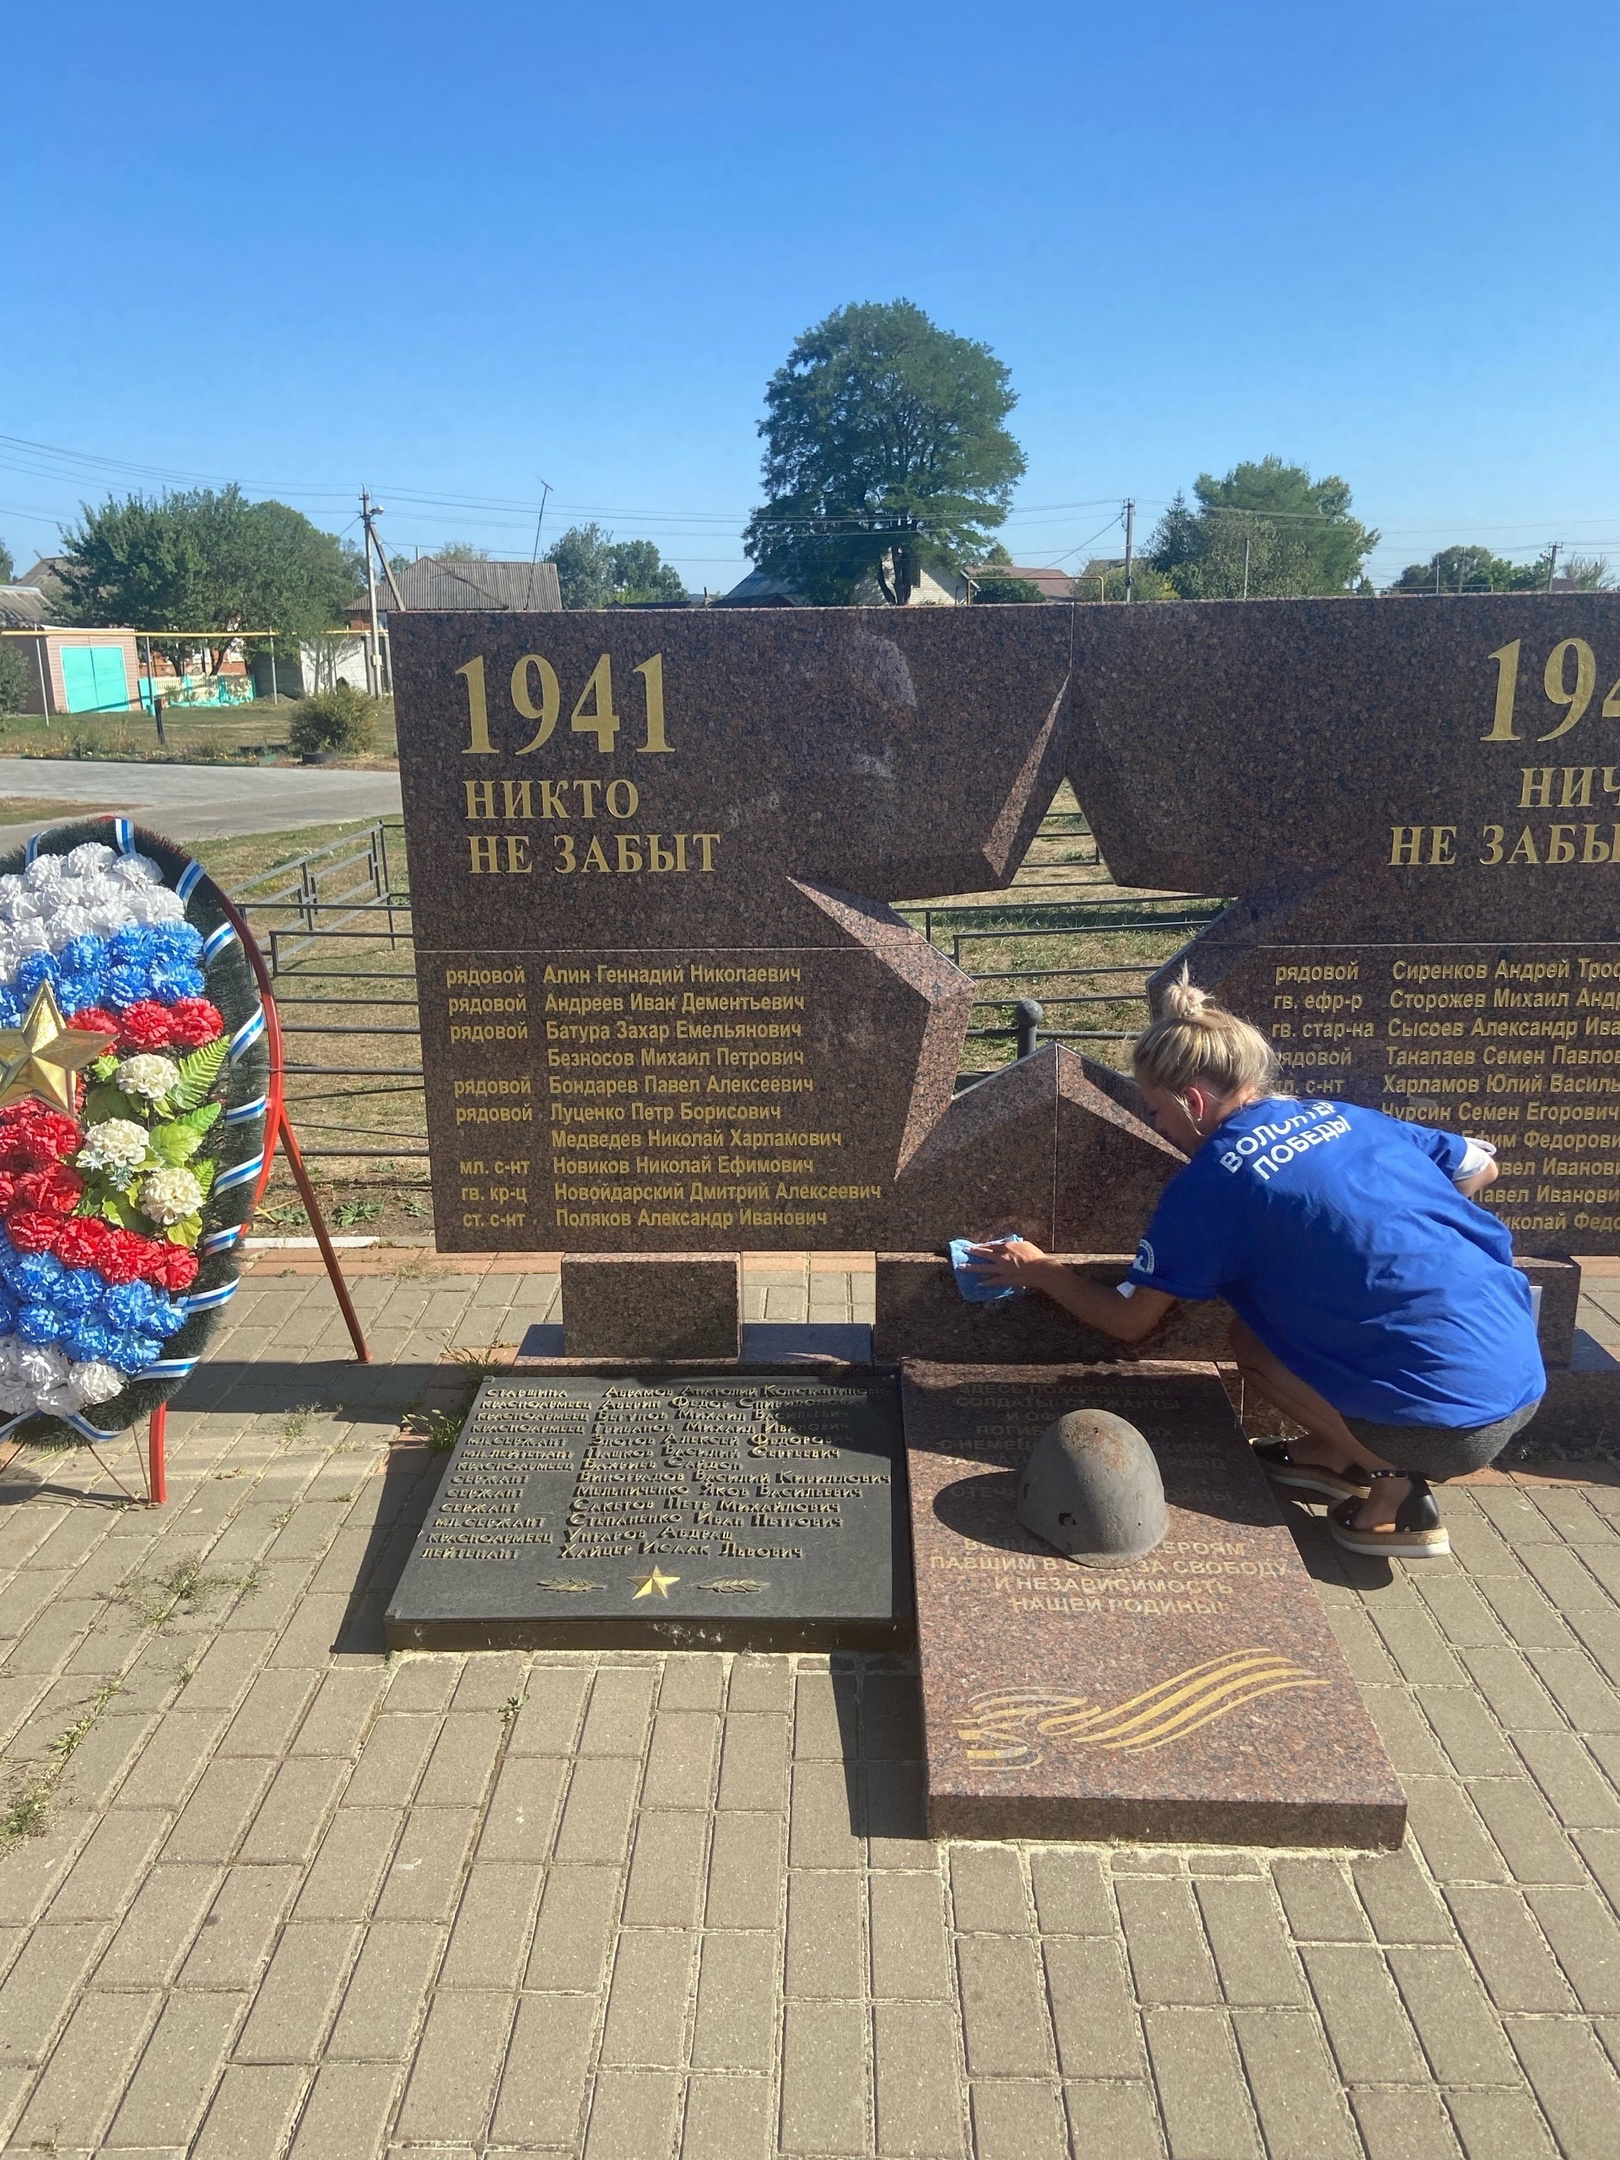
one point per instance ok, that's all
(652, 1305)
(625, 1510)
(1194, 1696)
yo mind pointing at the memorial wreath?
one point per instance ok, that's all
(133, 1094)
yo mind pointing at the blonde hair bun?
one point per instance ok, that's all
(1183, 1000)
(1194, 1040)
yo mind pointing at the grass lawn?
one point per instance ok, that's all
(225, 734)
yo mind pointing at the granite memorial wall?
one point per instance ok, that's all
(667, 1003)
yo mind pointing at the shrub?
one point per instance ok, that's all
(340, 720)
(15, 685)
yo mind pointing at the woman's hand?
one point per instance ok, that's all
(1016, 1261)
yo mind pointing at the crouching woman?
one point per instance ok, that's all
(1378, 1307)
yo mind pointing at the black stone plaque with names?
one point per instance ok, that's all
(583, 1511)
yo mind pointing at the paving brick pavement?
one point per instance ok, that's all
(290, 1896)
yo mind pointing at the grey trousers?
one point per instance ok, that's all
(1441, 1451)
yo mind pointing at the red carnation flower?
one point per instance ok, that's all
(33, 1137)
(76, 1242)
(94, 1018)
(193, 1022)
(56, 1191)
(123, 1255)
(31, 1230)
(174, 1269)
(145, 1026)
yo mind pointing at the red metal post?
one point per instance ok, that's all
(278, 1126)
(157, 1464)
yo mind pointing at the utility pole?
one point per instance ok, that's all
(369, 514)
(373, 648)
(1130, 535)
(1246, 542)
(1552, 563)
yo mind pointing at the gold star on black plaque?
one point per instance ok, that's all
(41, 1057)
(657, 1583)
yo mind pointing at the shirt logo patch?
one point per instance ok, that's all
(1144, 1257)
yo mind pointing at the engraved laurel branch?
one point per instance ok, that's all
(1006, 1724)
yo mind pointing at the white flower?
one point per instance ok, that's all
(134, 870)
(149, 1076)
(117, 1143)
(42, 871)
(168, 1196)
(88, 856)
(96, 1383)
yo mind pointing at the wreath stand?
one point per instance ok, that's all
(277, 1129)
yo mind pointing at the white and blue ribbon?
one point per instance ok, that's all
(245, 1111)
(166, 1368)
(208, 1300)
(124, 831)
(217, 940)
(33, 852)
(243, 1173)
(189, 879)
(83, 1424)
(218, 1241)
(247, 1034)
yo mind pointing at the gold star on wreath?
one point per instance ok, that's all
(657, 1581)
(41, 1057)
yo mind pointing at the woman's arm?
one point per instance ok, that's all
(1471, 1187)
(1127, 1319)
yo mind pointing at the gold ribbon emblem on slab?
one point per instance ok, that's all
(1006, 1726)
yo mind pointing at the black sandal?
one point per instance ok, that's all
(1418, 1533)
(1277, 1460)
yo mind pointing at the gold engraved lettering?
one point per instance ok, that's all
(533, 666)
(477, 710)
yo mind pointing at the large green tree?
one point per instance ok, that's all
(885, 453)
(1301, 538)
(206, 559)
(594, 570)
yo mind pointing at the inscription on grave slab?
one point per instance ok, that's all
(1195, 1695)
(703, 1512)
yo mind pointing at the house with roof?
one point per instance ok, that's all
(68, 671)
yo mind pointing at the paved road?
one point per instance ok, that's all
(194, 802)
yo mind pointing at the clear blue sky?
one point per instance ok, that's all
(447, 251)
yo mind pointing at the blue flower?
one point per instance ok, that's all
(41, 1324)
(76, 993)
(125, 986)
(36, 1278)
(39, 967)
(168, 1317)
(176, 941)
(8, 1317)
(84, 956)
(171, 979)
(90, 1342)
(80, 1291)
(129, 1306)
(130, 1352)
(11, 1009)
(132, 945)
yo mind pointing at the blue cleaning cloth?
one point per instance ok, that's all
(970, 1280)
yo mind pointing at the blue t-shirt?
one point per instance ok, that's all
(1337, 1234)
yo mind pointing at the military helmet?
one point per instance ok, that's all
(1092, 1488)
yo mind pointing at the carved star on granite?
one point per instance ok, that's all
(656, 1583)
(41, 1057)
